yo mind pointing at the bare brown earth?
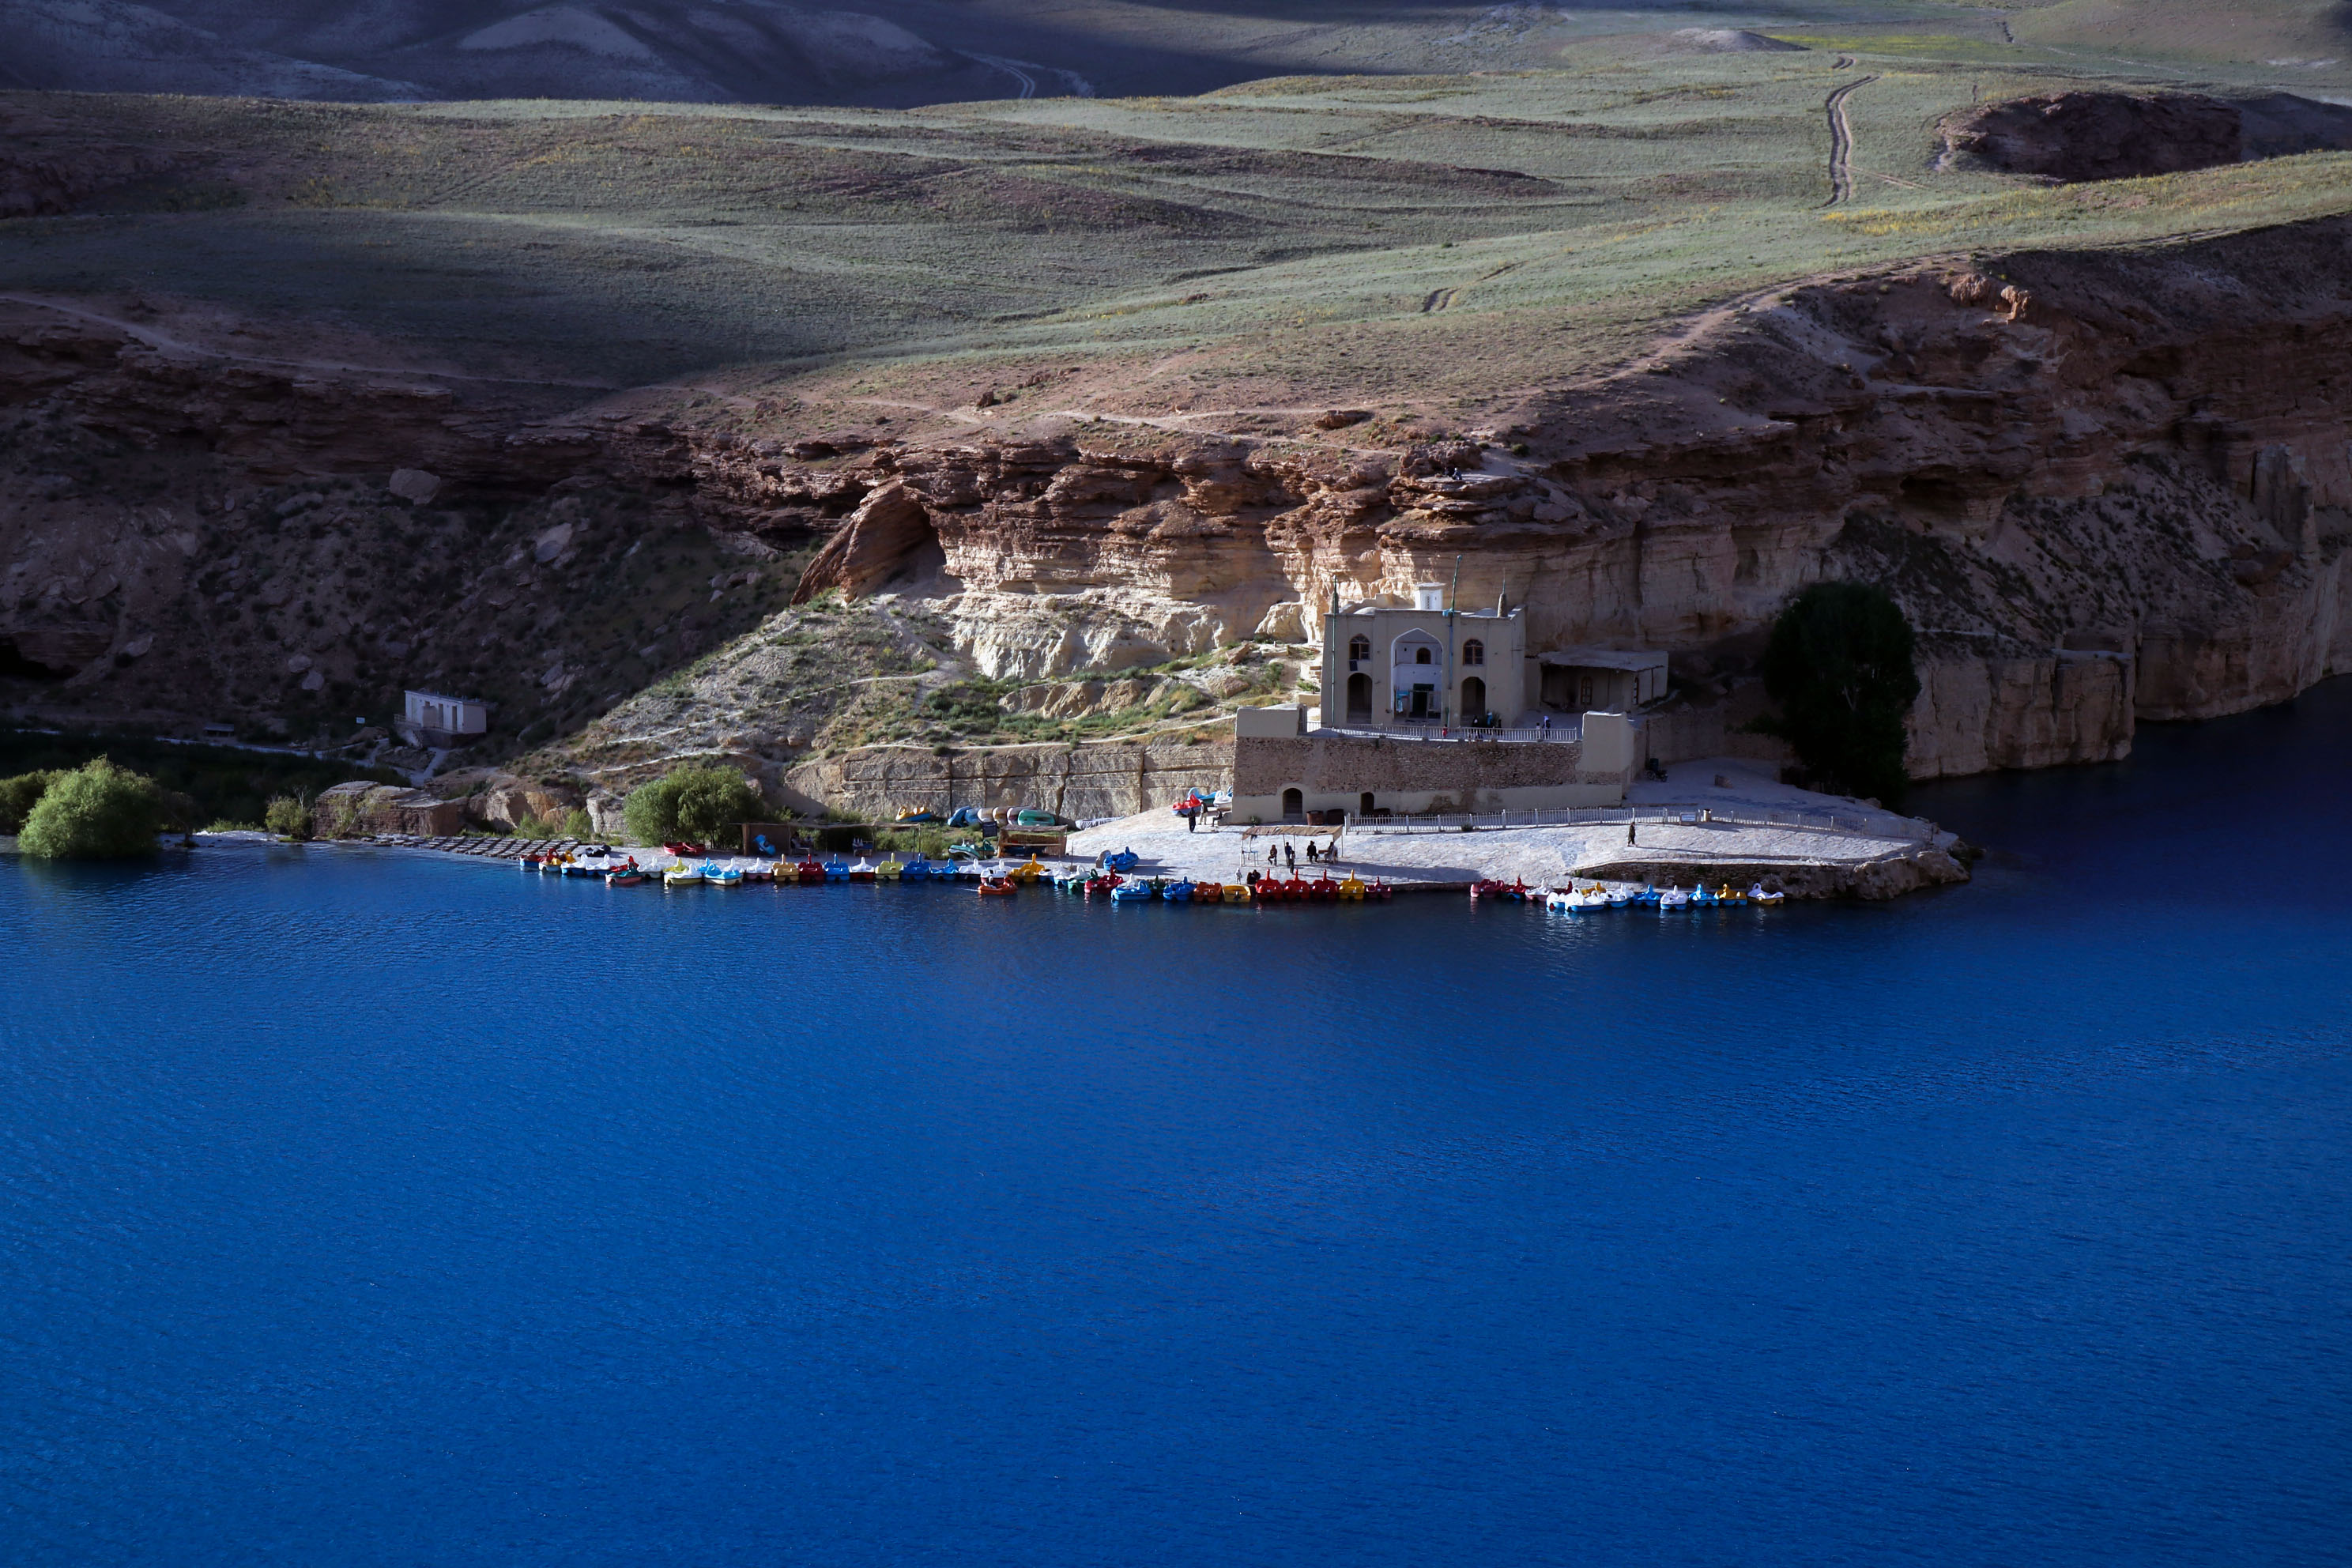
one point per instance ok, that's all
(2086, 135)
(2129, 502)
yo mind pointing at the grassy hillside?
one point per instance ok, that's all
(1261, 226)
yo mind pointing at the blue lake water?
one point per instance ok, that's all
(369, 1208)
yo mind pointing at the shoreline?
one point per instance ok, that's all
(1748, 830)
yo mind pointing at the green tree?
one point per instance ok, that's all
(1839, 666)
(97, 812)
(691, 802)
(578, 824)
(289, 814)
(18, 796)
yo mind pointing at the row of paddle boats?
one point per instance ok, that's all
(1323, 889)
(1573, 900)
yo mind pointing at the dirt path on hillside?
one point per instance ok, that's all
(1842, 142)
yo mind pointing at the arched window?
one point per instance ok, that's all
(1421, 655)
(1474, 652)
(1358, 646)
(1294, 802)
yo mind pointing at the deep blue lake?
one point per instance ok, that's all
(363, 1207)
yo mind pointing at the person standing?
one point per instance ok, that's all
(1290, 856)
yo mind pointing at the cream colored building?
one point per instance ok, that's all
(1422, 665)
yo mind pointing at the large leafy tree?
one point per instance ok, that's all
(689, 802)
(96, 812)
(1838, 667)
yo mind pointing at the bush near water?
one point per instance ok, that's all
(18, 796)
(289, 814)
(96, 812)
(691, 802)
(1840, 667)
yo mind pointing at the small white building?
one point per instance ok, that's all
(434, 720)
(1602, 679)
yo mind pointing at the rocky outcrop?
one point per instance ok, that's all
(492, 798)
(2086, 135)
(884, 538)
(363, 807)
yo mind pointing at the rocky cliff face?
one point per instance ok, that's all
(2105, 487)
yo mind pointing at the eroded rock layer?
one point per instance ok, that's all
(2105, 487)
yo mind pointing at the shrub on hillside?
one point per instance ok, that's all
(578, 824)
(1839, 667)
(96, 812)
(18, 796)
(289, 814)
(691, 802)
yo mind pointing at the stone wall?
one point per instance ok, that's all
(1409, 776)
(1082, 782)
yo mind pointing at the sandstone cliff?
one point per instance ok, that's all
(2105, 487)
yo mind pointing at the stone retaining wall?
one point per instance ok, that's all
(1334, 772)
(1081, 782)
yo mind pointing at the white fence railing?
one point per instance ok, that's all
(1875, 824)
(1565, 732)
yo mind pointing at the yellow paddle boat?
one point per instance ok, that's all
(681, 876)
(1028, 872)
(1351, 889)
(1237, 892)
(890, 871)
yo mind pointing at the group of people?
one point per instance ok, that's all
(1277, 854)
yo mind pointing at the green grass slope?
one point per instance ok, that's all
(1262, 225)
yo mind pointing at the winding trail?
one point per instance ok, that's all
(1842, 142)
(1018, 69)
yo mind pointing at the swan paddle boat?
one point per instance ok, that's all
(681, 877)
